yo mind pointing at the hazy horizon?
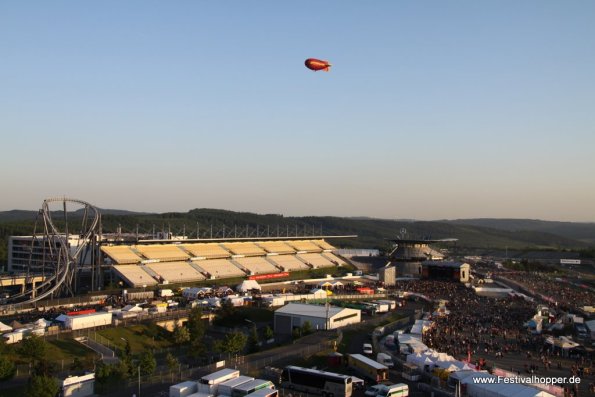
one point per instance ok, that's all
(432, 110)
(308, 215)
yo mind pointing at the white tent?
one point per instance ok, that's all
(319, 293)
(4, 327)
(132, 308)
(42, 323)
(561, 342)
(248, 285)
(420, 326)
(413, 341)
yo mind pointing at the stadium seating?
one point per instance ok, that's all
(316, 260)
(278, 247)
(207, 250)
(176, 272)
(163, 252)
(257, 265)
(324, 245)
(244, 248)
(333, 258)
(304, 245)
(149, 264)
(121, 254)
(288, 263)
(220, 268)
(134, 275)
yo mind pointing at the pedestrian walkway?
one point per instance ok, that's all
(108, 356)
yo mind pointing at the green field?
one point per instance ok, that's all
(57, 351)
(141, 337)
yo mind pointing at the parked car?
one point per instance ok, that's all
(373, 391)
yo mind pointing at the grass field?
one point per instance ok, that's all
(58, 351)
(68, 349)
(141, 337)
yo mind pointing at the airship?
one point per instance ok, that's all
(317, 64)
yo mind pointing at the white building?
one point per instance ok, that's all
(294, 315)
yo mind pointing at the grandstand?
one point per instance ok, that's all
(316, 260)
(334, 258)
(176, 272)
(149, 264)
(305, 246)
(324, 245)
(220, 268)
(162, 252)
(257, 265)
(288, 263)
(206, 250)
(245, 248)
(121, 254)
(134, 275)
(278, 247)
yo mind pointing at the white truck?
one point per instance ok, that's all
(209, 384)
(183, 389)
(385, 359)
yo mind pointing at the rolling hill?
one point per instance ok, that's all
(372, 233)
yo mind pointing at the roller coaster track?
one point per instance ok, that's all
(64, 260)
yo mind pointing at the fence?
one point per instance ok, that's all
(253, 365)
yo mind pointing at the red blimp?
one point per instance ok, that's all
(317, 64)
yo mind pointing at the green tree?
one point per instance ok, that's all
(103, 372)
(44, 368)
(7, 368)
(253, 341)
(196, 324)
(172, 364)
(268, 333)
(147, 363)
(34, 347)
(76, 365)
(232, 344)
(127, 349)
(306, 328)
(125, 368)
(41, 386)
(181, 334)
(226, 309)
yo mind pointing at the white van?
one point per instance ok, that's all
(398, 390)
(385, 359)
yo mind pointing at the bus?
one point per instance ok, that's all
(315, 381)
(368, 368)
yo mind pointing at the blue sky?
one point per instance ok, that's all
(432, 109)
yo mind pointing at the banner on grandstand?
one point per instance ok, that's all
(268, 276)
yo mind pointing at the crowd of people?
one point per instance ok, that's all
(560, 292)
(491, 331)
